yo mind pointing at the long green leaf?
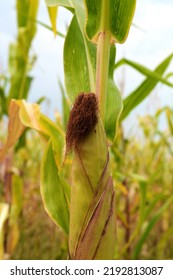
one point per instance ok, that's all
(143, 70)
(138, 95)
(152, 204)
(114, 103)
(48, 27)
(65, 105)
(80, 13)
(53, 19)
(79, 21)
(79, 76)
(54, 190)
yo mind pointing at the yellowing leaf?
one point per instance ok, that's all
(4, 208)
(53, 15)
(32, 117)
(21, 115)
(15, 129)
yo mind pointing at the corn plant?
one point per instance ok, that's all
(17, 85)
(82, 203)
(144, 190)
(20, 60)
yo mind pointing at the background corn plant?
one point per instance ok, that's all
(16, 85)
(80, 61)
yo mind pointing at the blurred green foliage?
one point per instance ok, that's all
(20, 61)
(39, 236)
(143, 175)
(143, 187)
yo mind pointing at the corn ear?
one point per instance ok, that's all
(92, 209)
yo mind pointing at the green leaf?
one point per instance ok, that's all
(152, 204)
(143, 70)
(19, 51)
(27, 86)
(80, 14)
(110, 16)
(139, 94)
(54, 190)
(3, 103)
(114, 103)
(150, 226)
(79, 62)
(65, 105)
(48, 27)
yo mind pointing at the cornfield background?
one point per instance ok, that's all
(141, 162)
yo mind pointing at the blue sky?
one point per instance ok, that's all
(148, 45)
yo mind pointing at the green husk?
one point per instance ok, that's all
(92, 210)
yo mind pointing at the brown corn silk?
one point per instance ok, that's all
(92, 207)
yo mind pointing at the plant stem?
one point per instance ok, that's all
(103, 53)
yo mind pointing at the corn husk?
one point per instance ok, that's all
(92, 210)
